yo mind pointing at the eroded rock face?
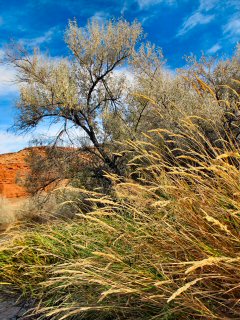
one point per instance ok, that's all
(13, 168)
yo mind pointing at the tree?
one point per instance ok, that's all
(82, 88)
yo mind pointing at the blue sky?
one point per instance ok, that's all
(179, 27)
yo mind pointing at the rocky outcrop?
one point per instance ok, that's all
(13, 168)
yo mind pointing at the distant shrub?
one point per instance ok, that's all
(10, 212)
(7, 215)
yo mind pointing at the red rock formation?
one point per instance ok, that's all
(12, 168)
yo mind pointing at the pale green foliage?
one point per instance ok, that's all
(205, 89)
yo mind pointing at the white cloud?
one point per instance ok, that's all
(124, 8)
(7, 75)
(46, 37)
(10, 142)
(124, 72)
(206, 5)
(194, 20)
(215, 48)
(209, 10)
(147, 3)
(100, 16)
(8, 83)
(144, 4)
(198, 17)
(232, 28)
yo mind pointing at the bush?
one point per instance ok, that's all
(6, 214)
(10, 212)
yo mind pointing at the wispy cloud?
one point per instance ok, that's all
(194, 20)
(198, 17)
(124, 7)
(7, 76)
(45, 38)
(147, 3)
(100, 16)
(206, 5)
(232, 28)
(215, 48)
(10, 142)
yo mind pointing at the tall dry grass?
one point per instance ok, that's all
(165, 247)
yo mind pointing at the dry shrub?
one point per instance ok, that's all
(61, 203)
(10, 211)
(7, 215)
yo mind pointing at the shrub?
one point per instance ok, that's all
(6, 214)
(10, 212)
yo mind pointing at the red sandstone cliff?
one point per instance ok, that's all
(12, 168)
